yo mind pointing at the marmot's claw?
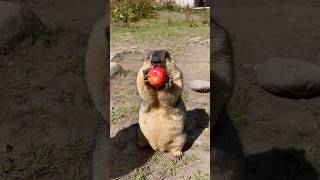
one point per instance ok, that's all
(178, 155)
(145, 72)
(168, 84)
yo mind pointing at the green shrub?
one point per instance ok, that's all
(168, 5)
(127, 11)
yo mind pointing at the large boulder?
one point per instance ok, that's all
(290, 78)
(16, 23)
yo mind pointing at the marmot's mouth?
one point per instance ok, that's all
(156, 64)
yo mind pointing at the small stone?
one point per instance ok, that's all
(118, 55)
(72, 19)
(115, 69)
(195, 39)
(200, 86)
(198, 142)
(10, 63)
(134, 47)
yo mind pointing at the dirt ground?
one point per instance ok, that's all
(260, 30)
(131, 162)
(47, 119)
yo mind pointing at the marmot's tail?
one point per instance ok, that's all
(96, 68)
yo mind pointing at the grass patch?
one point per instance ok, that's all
(166, 27)
(156, 157)
(312, 154)
(173, 165)
(77, 159)
(35, 162)
(46, 35)
(184, 96)
(73, 64)
(64, 96)
(200, 176)
(33, 110)
(124, 112)
(239, 107)
(140, 173)
(127, 11)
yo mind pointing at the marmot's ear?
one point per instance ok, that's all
(167, 54)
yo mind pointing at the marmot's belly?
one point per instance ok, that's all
(161, 128)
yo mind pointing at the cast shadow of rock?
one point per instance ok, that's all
(280, 164)
(197, 120)
(126, 155)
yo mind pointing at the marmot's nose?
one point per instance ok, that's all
(155, 60)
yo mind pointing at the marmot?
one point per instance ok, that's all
(96, 76)
(162, 112)
(227, 158)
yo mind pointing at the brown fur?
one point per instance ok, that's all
(162, 111)
(96, 76)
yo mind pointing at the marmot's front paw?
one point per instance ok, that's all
(177, 155)
(145, 75)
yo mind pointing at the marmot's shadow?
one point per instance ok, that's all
(280, 164)
(197, 120)
(126, 155)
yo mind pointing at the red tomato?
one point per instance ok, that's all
(157, 77)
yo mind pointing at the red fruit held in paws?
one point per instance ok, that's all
(157, 77)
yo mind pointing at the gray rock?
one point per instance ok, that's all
(115, 69)
(290, 78)
(195, 39)
(16, 23)
(134, 47)
(200, 86)
(116, 55)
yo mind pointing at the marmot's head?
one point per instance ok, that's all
(160, 58)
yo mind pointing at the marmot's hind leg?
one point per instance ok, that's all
(177, 145)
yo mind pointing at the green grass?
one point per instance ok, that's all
(312, 154)
(168, 27)
(77, 158)
(124, 112)
(174, 164)
(239, 118)
(184, 96)
(34, 162)
(200, 176)
(44, 160)
(32, 110)
(238, 108)
(139, 174)
(64, 96)
(46, 35)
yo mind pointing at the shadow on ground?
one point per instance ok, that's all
(280, 164)
(126, 155)
(197, 121)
